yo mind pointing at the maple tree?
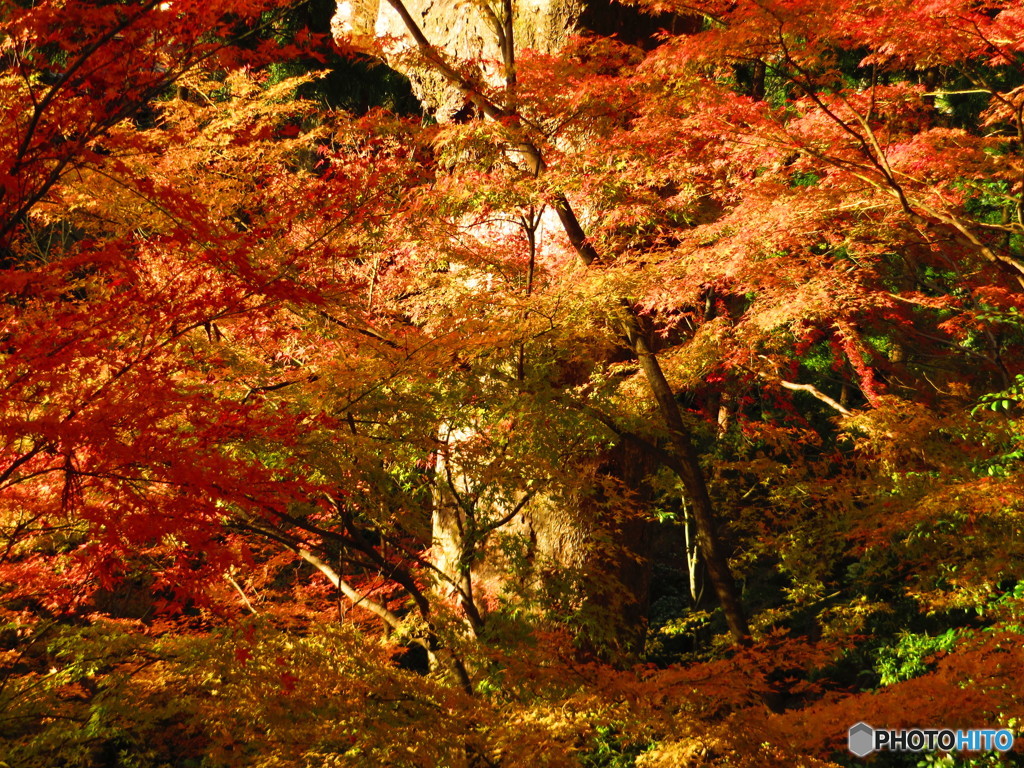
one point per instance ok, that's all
(422, 398)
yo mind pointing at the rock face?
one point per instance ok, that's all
(464, 31)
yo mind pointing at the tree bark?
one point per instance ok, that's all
(686, 465)
(682, 455)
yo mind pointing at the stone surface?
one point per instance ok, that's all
(463, 32)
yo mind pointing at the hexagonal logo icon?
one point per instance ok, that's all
(861, 739)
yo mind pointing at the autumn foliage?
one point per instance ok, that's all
(665, 411)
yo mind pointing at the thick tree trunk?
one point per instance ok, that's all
(682, 455)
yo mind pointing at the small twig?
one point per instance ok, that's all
(241, 592)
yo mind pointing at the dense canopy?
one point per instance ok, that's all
(662, 408)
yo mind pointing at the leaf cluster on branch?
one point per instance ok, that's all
(666, 411)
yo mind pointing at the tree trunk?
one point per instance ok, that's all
(686, 464)
(682, 454)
